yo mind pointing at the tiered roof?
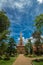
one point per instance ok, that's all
(21, 41)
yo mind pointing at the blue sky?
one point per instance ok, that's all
(21, 14)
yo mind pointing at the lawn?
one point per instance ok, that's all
(9, 62)
(38, 63)
(34, 56)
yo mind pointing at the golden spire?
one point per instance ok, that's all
(20, 34)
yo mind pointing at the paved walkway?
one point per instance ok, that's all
(22, 60)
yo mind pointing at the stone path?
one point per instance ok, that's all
(22, 60)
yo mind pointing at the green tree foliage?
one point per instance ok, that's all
(39, 22)
(11, 46)
(28, 47)
(3, 47)
(3, 39)
(4, 25)
(4, 22)
(3, 36)
(38, 32)
(37, 43)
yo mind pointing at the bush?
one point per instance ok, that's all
(38, 60)
(7, 57)
(0, 58)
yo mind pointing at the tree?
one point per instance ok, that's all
(39, 22)
(3, 39)
(4, 21)
(12, 46)
(37, 43)
(38, 32)
(4, 25)
(28, 47)
(3, 35)
(3, 47)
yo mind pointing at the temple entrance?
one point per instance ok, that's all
(21, 52)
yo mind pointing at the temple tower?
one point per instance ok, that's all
(21, 40)
(20, 46)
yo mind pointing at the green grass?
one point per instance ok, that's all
(9, 62)
(37, 63)
(33, 56)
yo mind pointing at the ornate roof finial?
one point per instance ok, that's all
(21, 40)
(20, 34)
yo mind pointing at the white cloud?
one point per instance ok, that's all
(25, 40)
(2, 2)
(20, 4)
(40, 1)
(32, 40)
(41, 36)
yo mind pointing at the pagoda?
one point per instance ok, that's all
(20, 46)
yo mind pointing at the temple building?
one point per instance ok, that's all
(20, 46)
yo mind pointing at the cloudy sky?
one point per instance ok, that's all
(21, 14)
